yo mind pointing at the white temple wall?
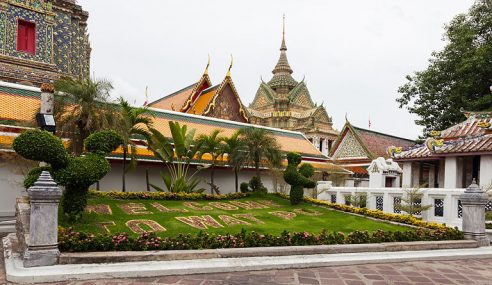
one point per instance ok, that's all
(11, 187)
(407, 174)
(136, 181)
(451, 172)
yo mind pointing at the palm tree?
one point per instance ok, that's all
(83, 108)
(132, 122)
(260, 145)
(236, 155)
(211, 144)
(177, 154)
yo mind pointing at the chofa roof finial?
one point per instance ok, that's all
(283, 46)
(230, 66)
(208, 64)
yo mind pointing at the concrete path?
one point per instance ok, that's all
(463, 271)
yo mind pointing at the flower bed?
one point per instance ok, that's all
(165, 196)
(69, 240)
(226, 223)
(398, 218)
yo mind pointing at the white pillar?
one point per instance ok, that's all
(485, 171)
(416, 175)
(432, 176)
(407, 175)
(451, 172)
(441, 173)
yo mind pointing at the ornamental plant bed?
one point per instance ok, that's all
(144, 221)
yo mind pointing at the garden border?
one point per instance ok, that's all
(169, 255)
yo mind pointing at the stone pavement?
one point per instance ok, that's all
(466, 271)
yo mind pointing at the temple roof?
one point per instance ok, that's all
(26, 100)
(474, 135)
(370, 144)
(175, 100)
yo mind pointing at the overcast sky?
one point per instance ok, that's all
(353, 54)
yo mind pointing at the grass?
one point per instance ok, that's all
(330, 220)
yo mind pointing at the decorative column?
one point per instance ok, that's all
(451, 172)
(42, 249)
(485, 170)
(473, 202)
(47, 99)
(407, 175)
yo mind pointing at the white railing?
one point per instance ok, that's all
(446, 207)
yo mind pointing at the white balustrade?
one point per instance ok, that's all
(445, 202)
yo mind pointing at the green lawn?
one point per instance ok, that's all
(310, 218)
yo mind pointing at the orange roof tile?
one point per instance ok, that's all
(203, 100)
(175, 100)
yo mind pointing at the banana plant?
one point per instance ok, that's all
(177, 154)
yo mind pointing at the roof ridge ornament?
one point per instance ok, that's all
(208, 64)
(230, 67)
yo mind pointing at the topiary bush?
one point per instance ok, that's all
(43, 146)
(77, 174)
(103, 142)
(296, 178)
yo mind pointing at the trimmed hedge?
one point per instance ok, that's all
(69, 240)
(103, 142)
(41, 145)
(404, 219)
(165, 195)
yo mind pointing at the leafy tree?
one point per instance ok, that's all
(358, 200)
(211, 144)
(260, 145)
(236, 155)
(177, 154)
(411, 202)
(458, 76)
(133, 122)
(82, 108)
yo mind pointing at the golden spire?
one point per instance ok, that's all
(283, 46)
(208, 64)
(230, 66)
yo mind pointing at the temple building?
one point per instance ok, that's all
(286, 103)
(451, 158)
(42, 40)
(356, 148)
(202, 98)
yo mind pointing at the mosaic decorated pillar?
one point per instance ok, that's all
(473, 202)
(42, 248)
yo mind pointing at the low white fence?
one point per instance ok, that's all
(446, 206)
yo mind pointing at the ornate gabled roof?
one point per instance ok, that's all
(300, 95)
(474, 135)
(372, 144)
(175, 100)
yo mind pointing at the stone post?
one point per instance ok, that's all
(42, 249)
(473, 202)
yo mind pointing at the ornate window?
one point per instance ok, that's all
(439, 207)
(379, 203)
(460, 209)
(488, 206)
(397, 205)
(333, 198)
(26, 36)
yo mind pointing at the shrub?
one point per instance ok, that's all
(296, 179)
(256, 185)
(41, 145)
(69, 240)
(76, 174)
(244, 187)
(166, 195)
(103, 142)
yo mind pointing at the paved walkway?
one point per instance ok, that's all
(471, 271)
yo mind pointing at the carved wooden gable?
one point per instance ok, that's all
(262, 98)
(226, 106)
(300, 96)
(321, 115)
